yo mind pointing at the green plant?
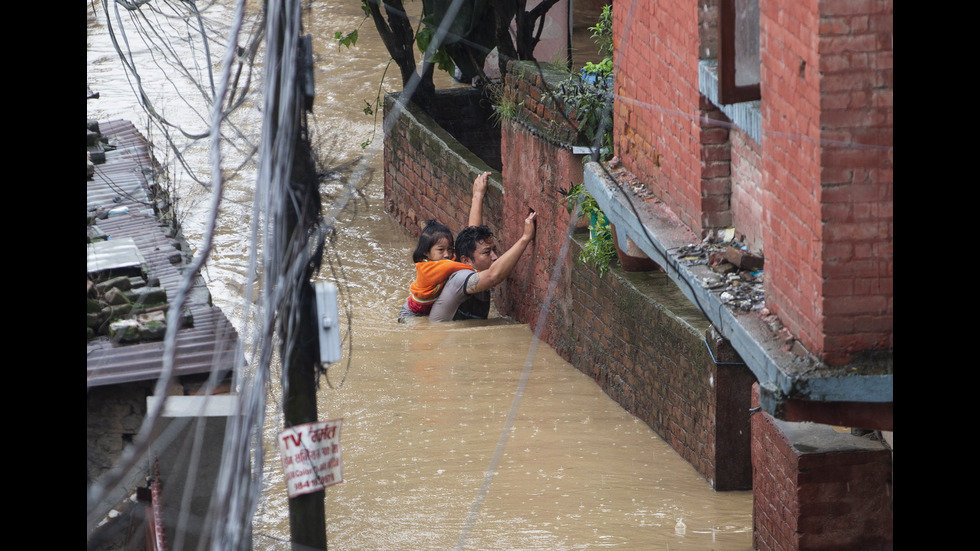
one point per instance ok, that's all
(600, 249)
(588, 95)
(602, 32)
(578, 196)
(505, 106)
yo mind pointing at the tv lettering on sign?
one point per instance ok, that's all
(311, 456)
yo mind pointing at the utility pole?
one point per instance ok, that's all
(307, 514)
(296, 244)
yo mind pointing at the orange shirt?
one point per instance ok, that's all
(429, 278)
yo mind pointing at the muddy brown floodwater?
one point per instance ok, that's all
(428, 409)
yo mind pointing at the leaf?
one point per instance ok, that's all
(350, 39)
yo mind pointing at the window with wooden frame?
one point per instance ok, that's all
(738, 51)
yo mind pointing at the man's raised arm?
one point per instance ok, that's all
(504, 265)
(476, 205)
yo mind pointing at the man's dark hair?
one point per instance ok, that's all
(431, 234)
(468, 238)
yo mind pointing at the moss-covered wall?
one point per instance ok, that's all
(429, 174)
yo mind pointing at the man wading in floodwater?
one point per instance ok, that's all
(467, 294)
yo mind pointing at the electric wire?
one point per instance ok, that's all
(242, 475)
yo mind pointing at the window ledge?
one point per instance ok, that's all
(746, 115)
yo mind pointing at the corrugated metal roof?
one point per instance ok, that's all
(121, 183)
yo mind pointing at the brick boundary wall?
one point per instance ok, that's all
(716, 169)
(644, 344)
(636, 335)
(857, 184)
(656, 124)
(429, 174)
(817, 489)
(747, 190)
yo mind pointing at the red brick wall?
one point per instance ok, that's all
(818, 490)
(716, 170)
(533, 171)
(649, 358)
(429, 175)
(790, 165)
(747, 212)
(827, 133)
(657, 133)
(816, 204)
(857, 182)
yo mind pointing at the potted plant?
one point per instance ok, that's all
(638, 262)
(603, 245)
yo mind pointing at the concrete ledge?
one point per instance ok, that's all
(782, 374)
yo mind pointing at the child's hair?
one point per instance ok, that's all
(432, 232)
(468, 238)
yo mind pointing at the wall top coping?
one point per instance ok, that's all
(395, 108)
(815, 438)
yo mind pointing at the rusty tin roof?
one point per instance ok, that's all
(121, 184)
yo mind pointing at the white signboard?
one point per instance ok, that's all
(311, 456)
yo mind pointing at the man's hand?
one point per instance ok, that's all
(480, 184)
(501, 268)
(476, 203)
(529, 226)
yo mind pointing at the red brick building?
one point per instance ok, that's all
(775, 118)
(802, 169)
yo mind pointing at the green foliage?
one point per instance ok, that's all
(600, 249)
(441, 59)
(590, 105)
(588, 96)
(601, 70)
(602, 32)
(348, 40)
(504, 106)
(577, 196)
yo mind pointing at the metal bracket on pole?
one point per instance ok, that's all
(327, 322)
